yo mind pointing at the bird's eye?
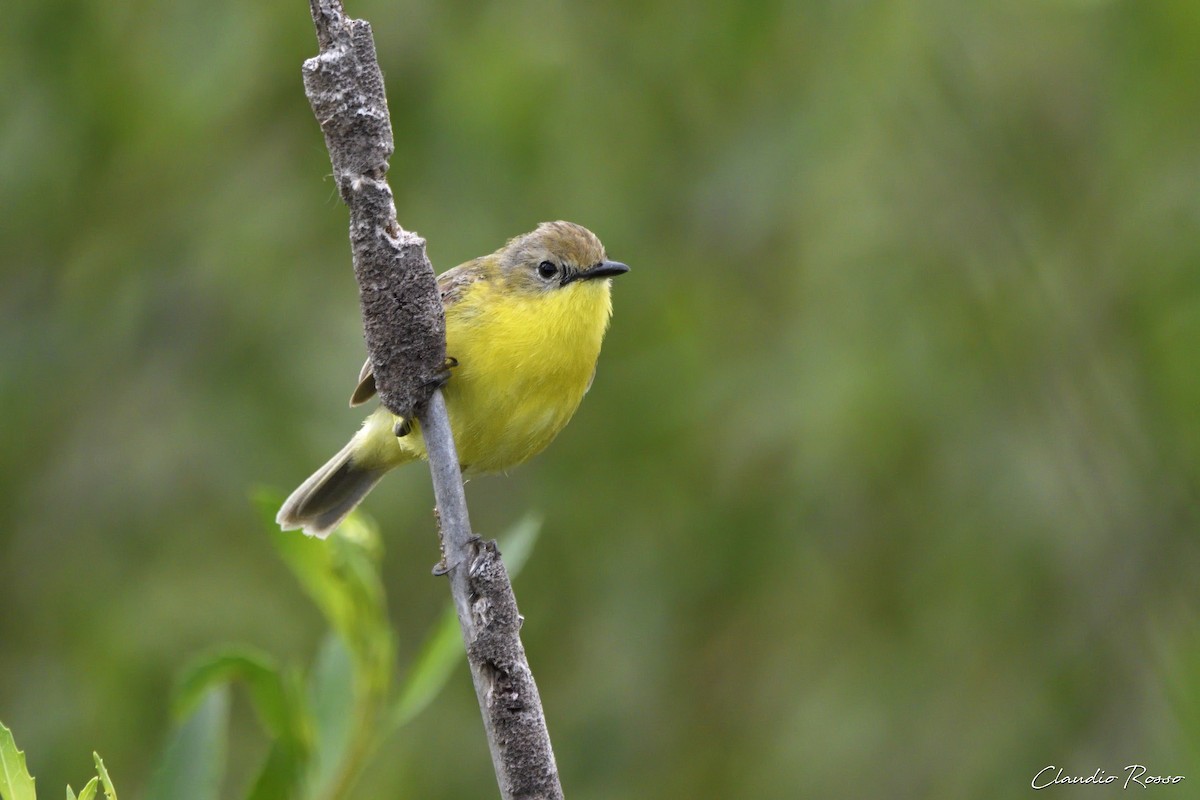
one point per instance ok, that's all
(547, 269)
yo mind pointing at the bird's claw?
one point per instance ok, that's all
(404, 427)
(441, 376)
(442, 568)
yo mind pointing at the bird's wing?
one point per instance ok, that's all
(452, 284)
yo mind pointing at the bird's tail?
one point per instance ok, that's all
(324, 500)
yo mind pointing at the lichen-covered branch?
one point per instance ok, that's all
(403, 321)
(404, 326)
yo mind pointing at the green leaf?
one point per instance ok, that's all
(109, 792)
(431, 669)
(279, 706)
(15, 781)
(279, 701)
(341, 575)
(193, 764)
(70, 794)
(332, 699)
(89, 791)
(280, 777)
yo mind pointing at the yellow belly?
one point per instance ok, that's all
(524, 364)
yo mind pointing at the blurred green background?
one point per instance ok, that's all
(887, 485)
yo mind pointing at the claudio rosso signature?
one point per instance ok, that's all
(1134, 776)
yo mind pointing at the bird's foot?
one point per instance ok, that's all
(442, 568)
(439, 379)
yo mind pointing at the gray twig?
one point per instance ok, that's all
(491, 625)
(405, 331)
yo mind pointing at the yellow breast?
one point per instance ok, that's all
(524, 364)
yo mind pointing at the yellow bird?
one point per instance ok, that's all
(523, 332)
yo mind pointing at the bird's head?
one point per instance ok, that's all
(557, 256)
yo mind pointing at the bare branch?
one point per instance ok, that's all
(491, 624)
(404, 326)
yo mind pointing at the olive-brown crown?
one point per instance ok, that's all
(563, 243)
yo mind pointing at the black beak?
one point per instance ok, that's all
(605, 269)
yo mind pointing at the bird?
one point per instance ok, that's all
(524, 327)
